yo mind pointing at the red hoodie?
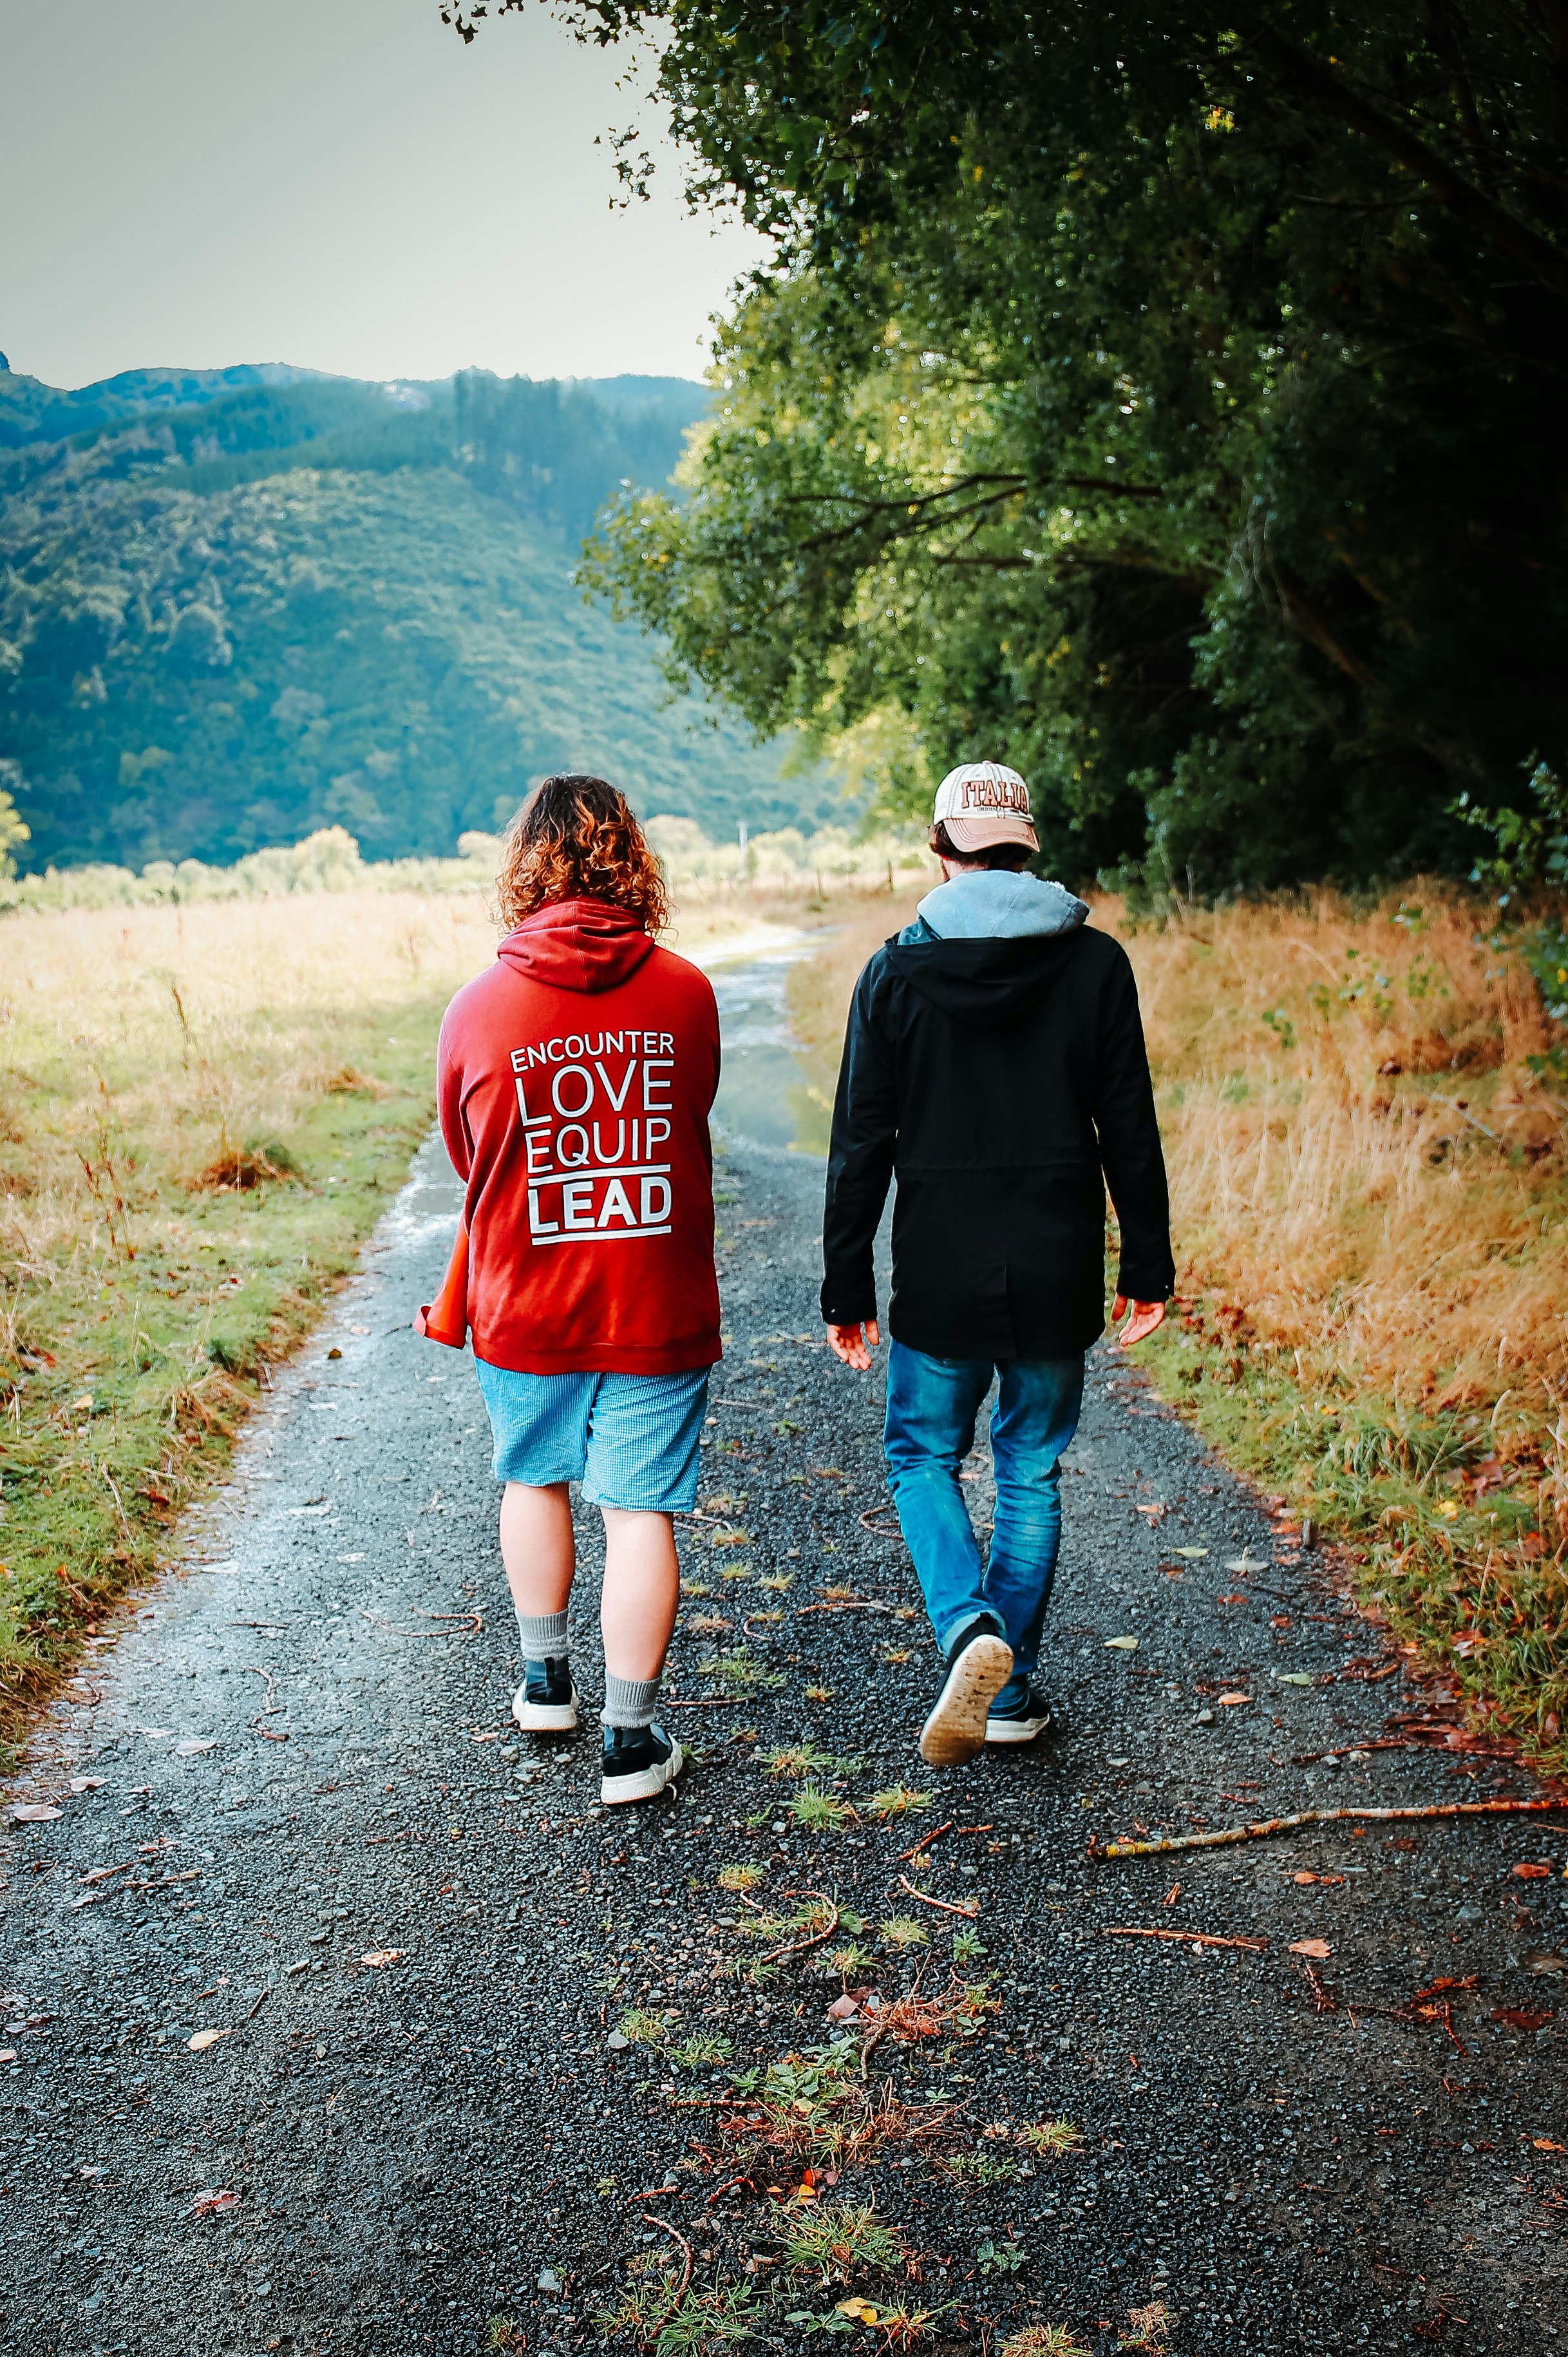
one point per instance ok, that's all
(573, 1082)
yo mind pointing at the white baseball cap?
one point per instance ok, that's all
(983, 804)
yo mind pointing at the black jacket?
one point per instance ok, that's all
(1005, 1084)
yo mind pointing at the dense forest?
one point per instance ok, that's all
(1169, 401)
(241, 604)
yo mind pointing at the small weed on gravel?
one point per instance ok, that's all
(699, 2053)
(903, 1931)
(1050, 2138)
(740, 1670)
(795, 1759)
(652, 2313)
(1148, 2329)
(836, 2239)
(966, 1947)
(739, 1877)
(897, 1801)
(979, 2167)
(1043, 2341)
(641, 2027)
(817, 1812)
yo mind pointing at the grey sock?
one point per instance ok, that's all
(629, 1702)
(544, 1636)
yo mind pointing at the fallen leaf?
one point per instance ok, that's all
(1292, 1677)
(376, 1957)
(1319, 1950)
(860, 2310)
(1193, 1555)
(1233, 1696)
(1243, 1563)
(1518, 2021)
(1233, 1597)
(1122, 1644)
(844, 2008)
(1528, 1871)
(34, 1812)
(219, 2199)
(156, 1734)
(193, 1744)
(1545, 2143)
(1543, 1960)
(8, 2054)
(204, 2039)
(1305, 1876)
(87, 1783)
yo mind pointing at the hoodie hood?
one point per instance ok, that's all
(998, 905)
(586, 946)
(993, 983)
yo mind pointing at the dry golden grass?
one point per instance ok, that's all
(1370, 1206)
(1360, 1157)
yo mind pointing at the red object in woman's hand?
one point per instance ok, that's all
(1145, 1317)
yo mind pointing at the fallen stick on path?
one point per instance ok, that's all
(1316, 1817)
(855, 1604)
(676, 2236)
(945, 1905)
(1188, 1939)
(925, 1842)
(798, 1947)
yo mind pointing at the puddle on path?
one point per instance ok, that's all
(772, 1091)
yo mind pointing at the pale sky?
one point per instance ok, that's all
(341, 183)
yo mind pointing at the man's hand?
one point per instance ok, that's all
(1145, 1317)
(845, 1343)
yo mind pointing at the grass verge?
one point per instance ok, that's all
(203, 1110)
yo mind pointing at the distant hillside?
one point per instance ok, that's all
(237, 605)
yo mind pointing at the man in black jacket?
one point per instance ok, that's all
(994, 1064)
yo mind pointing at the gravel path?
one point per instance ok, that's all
(305, 1825)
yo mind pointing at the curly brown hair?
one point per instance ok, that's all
(576, 838)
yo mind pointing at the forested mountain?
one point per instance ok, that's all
(236, 605)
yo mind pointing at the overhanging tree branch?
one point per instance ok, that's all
(1306, 78)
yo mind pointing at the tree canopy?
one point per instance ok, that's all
(1165, 402)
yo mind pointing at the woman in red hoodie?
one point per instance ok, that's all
(574, 1082)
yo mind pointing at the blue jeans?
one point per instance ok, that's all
(931, 1407)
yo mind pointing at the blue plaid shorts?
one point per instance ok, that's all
(631, 1441)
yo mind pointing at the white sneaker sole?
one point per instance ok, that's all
(955, 1731)
(1014, 1730)
(545, 1717)
(645, 1785)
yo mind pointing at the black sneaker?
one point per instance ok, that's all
(638, 1762)
(1021, 1722)
(980, 1663)
(546, 1701)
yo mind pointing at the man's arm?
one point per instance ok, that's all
(860, 1164)
(1130, 1151)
